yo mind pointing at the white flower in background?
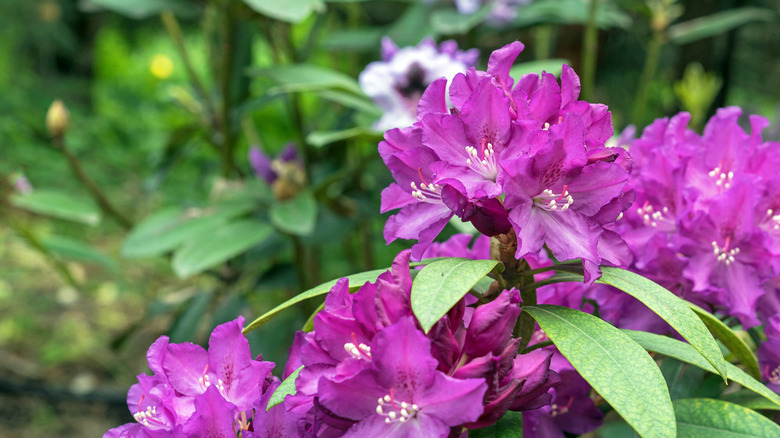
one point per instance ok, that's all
(396, 83)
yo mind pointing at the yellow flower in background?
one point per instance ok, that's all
(161, 67)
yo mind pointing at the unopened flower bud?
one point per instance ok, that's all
(57, 119)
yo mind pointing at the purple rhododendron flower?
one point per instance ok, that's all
(396, 83)
(501, 11)
(195, 391)
(349, 347)
(270, 169)
(704, 223)
(521, 157)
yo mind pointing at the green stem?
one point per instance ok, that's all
(590, 47)
(105, 205)
(648, 74)
(538, 346)
(226, 73)
(174, 30)
(31, 239)
(526, 324)
(543, 46)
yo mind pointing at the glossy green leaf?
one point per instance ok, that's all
(366, 39)
(440, 285)
(734, 343)
(671, 308)
(618, 368)
(553, 66)
(684, 352)
(353, 101)
(77, 250)
(355, 282)
(508, 426)
(717, 24)
(58, 205)
(307, 77)
(750, 400)
(296, 215)
(449, 21)
(291, 11)
(170, 228)
(218, 246)
(287, 387)
(140, 8)
(702, 417)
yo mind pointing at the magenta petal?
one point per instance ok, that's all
(393, 197)
(501, 60)
(491, 326)
(453, 401)
(414, 219)
(213, 416)
(596, 186)
(486, 116)
(744, 290)
(433, 99)
(422, 427)
(570, 235)
(156, 355)
(185, 365)
(570, 85)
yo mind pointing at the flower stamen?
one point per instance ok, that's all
(725, 254)
(550, 201)
(401, 412)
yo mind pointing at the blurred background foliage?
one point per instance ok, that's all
(145, 217)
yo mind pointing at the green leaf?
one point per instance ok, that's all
(291, 11)
(508, 426)
(451, 22)
(366, 39)
(671, 308)
(352, 101)
(412, 26)
(218, 246)
(296, 215)
(287, 387)
(306, 77)
(77, 250)
(702, 417)
(553, 66)
(58, 205)
(615, 366)
(308, 326)
(319, 139)
(168, 229)
(684, 352)
(750, 400)
(139, 9)
(734, 343)
(717, 23)
(355, 281)
(440, 285)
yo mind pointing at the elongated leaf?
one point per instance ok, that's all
(750, 400)
(559, 277)
(508, 426)
(717, 23)
(570, 12)
(307, 77)
(554, 66)
(734, 343)
(618, 368)
(684, 352)
(291, 11)
(295, 216)
(352, 101)
(77, 250)
(140, 8)
(319, 139)
(287, 387)
(168, 229)
(355, 282)
(366, 39)
(185, 326)
(703, 417)
(440, 285)
(671, 308)
(218, 246)
(58, 205)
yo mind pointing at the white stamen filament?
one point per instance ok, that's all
(724, 254)
(485, 166)
(722, 178)
(392, 411)
(361, 351)
(656, 218)
(430, 193)
(550, 201)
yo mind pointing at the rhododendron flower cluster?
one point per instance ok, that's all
(524, 157)
(705, 224)
(199, 392)
(370, 370)
(769, 354)
(396, 83)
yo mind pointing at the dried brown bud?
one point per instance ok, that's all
(57, 119)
